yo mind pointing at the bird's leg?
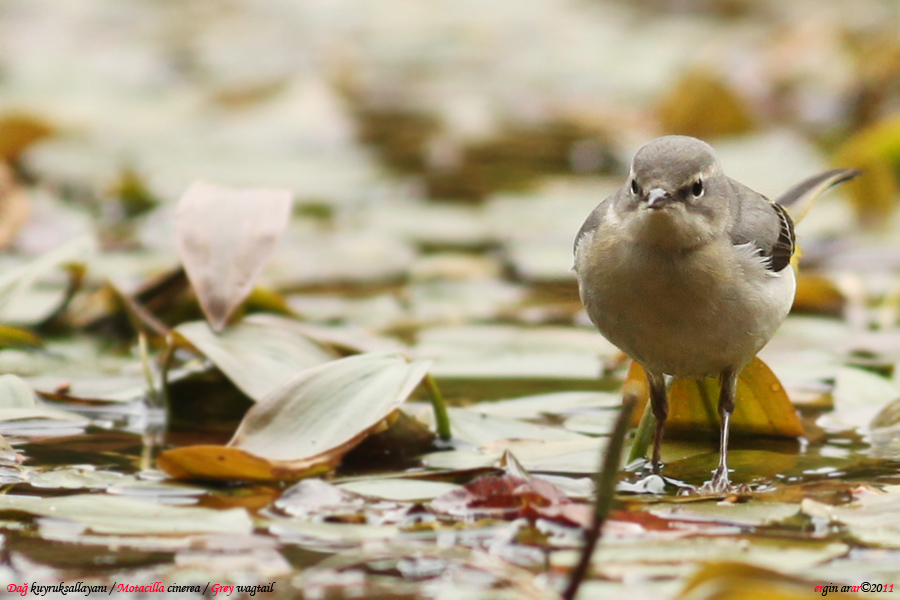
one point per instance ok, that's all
(728, 382)
(659, 403)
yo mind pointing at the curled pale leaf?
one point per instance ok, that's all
(257, 354)
(762, 406)
(308, 424)
(225, 236)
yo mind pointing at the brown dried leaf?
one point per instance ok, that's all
(225, 237)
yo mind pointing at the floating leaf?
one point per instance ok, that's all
(23, 301)
(257, 356)
(548, 404)
(859, 396)
(731, 513)
(747, 466)
(539, 456)
(479, 429)
(646, 556)
(873, 519)
(762, 406)
(399, 490)
(117, 515)
(225, 237)
(18, 403)
(722, 580)
(510, 497)
(302, 428)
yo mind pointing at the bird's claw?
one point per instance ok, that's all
(718, 485)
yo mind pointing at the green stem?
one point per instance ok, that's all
(643, 436)
(605, 493)
(441, 417)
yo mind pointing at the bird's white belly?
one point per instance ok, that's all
(690, 315)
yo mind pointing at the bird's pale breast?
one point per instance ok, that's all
(685, 313)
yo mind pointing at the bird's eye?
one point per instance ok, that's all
(635, 188)
(697, 188)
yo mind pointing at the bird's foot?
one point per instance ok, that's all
(720, 485)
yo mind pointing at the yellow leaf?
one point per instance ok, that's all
(875, 150)
(14, 337)
(225, 463)
(818, 295)
(762, 406)
(18, 131)
(741, 581)
(702, 105)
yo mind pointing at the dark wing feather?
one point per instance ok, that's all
(766, 225)
(783, 248)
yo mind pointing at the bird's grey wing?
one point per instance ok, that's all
(798, 198)
(766, 225)
(594, 220)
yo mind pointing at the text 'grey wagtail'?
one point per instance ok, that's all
(689, 271)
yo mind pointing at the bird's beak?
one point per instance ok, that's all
(657, 198)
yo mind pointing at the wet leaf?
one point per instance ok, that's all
(479, 429)
(547, 404)
(317, 498)
(510, 497)
(747, 466)
(399, 490)
(649, 556)
(762, 406)
(539, 456)
(18, 403)
(721, 580)
(873, 519)
(225, 237)
(411, 570)
(593, 423)
(753, 513)
(257, 354)
(116, 515)
(859, 396)
(301, 428)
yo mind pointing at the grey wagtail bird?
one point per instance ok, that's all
(689, 271)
